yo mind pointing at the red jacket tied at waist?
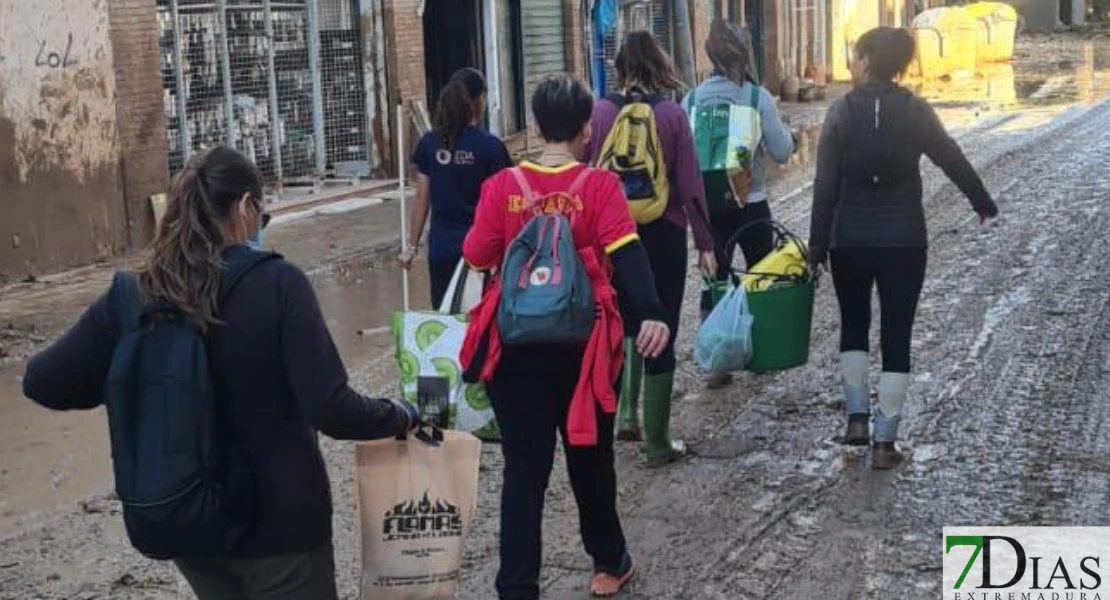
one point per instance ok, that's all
(601, 363)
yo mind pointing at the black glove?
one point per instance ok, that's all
(412, 416)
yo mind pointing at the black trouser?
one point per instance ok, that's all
(309, 576)
(899, 273)
(755, 242)
(531, 394)
(440, 272)
(665, 244)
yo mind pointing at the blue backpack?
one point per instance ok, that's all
(546, 296)
(186, 490)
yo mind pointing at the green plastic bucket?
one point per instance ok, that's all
(783, 317)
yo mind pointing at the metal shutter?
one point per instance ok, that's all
(544, 49)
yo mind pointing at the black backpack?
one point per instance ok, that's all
(878, 149)
(186, 489)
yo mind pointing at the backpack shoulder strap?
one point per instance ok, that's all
(525, 187)
(580, 180)
(129, 301)
(755, 96)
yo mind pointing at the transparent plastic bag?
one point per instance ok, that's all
(724, 342)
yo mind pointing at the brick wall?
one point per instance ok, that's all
(404, 49)
(142, 127)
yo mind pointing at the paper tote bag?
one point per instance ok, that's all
(416, 505)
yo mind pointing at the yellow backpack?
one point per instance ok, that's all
(632, 151)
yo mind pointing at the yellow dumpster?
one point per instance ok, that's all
(947, 38)
(997, 28)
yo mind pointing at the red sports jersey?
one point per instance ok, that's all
(599, 215)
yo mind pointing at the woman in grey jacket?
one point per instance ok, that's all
(735, 81)
(868, 214)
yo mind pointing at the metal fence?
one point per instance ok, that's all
(279, 80)
(636, 15)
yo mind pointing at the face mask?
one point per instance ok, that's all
(256, 242)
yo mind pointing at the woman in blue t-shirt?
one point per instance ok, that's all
(451, 163)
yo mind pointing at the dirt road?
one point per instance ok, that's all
(1007, 422)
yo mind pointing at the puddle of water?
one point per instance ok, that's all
(359, 302)
(1070, 72)
(49, 459)
(1044, 73)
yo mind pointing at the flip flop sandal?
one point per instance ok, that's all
(604, 585)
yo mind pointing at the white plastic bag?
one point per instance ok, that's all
(464, 291)
(724, 342)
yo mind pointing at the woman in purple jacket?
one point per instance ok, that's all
(644, 69)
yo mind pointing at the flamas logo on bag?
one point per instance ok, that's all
(422, 519)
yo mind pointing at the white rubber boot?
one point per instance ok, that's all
(857, 397)
(893, 388)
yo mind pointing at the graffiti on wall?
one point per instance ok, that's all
(57, 86)
(55, 59)
(62, 201)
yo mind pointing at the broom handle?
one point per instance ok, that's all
(404, 202)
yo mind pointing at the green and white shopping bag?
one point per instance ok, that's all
(428, 345)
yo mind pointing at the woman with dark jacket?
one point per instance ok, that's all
(451, 163)
(644, 70)
(869, 218)
(277, 377)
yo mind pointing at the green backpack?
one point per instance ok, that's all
(726, 137)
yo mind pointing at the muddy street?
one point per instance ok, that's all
(1007, 422)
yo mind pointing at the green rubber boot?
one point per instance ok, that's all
(657, 421)
(628, 419)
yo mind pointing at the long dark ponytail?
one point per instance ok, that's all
(458, 103)
(184, 264)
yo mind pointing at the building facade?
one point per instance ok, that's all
(82, 142)
(102, 102)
